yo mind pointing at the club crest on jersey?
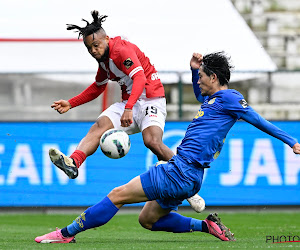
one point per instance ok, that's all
(243, 103)
(128, 63)
(212, 101)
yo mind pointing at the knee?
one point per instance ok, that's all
(96, 130)
(115, 195)
(152, 142)
(100, 126)
(145, 223)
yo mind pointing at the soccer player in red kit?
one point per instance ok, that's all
(143, 105)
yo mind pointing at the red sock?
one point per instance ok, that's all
(79, 157)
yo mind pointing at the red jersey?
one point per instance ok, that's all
(129, 66)
(125, 60)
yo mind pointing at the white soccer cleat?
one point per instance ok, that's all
(197, 203)
(63, 162)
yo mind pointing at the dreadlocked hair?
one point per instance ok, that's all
(218, 63)
(90, 28)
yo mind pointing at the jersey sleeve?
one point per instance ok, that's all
(139, 81)
(131, 66)
(258, 121)
(197, 91)
(235, 105)
(89, 94)
(93, 91)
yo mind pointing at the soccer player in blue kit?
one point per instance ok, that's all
(164, 186)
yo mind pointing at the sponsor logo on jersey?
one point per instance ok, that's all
(128, 63)
(199, 114)
(212, 101)
(154, 76)
(243, 103)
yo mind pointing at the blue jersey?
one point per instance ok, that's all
(205, 136)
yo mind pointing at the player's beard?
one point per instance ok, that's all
(105, 55)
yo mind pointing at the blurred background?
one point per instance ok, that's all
(40, 62)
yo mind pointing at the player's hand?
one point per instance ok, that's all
(196, 61)
(296, 148)
(61, 106)
(126, 119)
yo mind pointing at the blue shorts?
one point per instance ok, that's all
(169, 183)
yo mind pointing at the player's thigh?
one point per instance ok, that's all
(114, 113)
(102, 124)
(171, 182)
(132, 192)
(151, 213)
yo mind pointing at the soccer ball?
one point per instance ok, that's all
(115, 143)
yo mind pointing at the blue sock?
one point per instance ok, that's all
(196, 225)
(94, 216)
(173, 222)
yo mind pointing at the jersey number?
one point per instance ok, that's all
(151, 109)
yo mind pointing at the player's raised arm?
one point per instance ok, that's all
(261, 123)
(196, 61)
(195, 64)
(131, 65)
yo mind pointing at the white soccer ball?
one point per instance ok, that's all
(115, 143)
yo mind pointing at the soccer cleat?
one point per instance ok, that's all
(197, 203)
(63, 162)
(217, 228)
(55, 237)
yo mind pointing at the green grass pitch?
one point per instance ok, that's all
(17, 231)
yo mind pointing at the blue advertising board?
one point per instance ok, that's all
(252, 169)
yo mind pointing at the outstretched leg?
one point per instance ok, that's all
(90, 142)
(155, 218)
(152, 137)
(99, 214)
(152, 217)
(86, 147)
